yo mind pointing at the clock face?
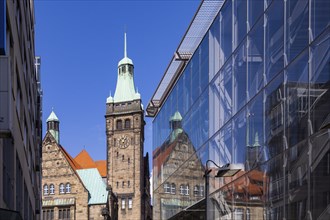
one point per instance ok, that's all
(123, 141)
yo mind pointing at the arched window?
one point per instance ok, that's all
(123, 184)
(182, 189)
(119, 124)
(196, 190)
(127, 123)
(51, 189)
(128, 183)
(128, 160)
(117, 184)
(68, 188)
(62, 188)
(173, 188)
(167, 188)
(123, 158)
(45, 189)
(187, 190)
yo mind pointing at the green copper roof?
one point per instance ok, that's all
(125, 89)
(52, 117)
(176, 117)
(93, 182)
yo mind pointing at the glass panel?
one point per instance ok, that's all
(240, 10)
(320, 16)
(274, 39)
(187, 88)
(297, 27)
(274, 116)
(186, 177)
(256, 8)
(216, 61)
(240, 78)
(297, 100)
(255, 59)
(320, 84)
(320, 174)
(297, 181)
(255, 150)
(239, 138)
(226, 37)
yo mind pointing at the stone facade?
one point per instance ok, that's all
(125, 156)
(65, 193)
(127, 168)
(57, 170)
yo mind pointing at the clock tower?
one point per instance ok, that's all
(125, 138)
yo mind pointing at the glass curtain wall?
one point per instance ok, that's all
(255, 93)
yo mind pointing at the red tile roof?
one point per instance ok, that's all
(101, 165)
(85, 161)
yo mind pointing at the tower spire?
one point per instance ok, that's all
(125, 45)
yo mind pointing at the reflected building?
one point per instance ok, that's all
(185, 187)
(252, 89)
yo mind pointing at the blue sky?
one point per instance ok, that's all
(80, 44)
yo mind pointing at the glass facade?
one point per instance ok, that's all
(256, 92)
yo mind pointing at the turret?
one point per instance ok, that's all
(53, 126)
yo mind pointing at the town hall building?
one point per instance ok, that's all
(116, 188)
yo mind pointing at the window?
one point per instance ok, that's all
(127, 123)
(123, 203)
(196, 190)
(123, 158)
(64, 214)
(201, 190)
(48, 214)
(119, 124)
(123, 184)
(187, 189)
(128, 160)
(173, 188)
(45, 189)
(117, 184)
(184, 189)
(130, 203)
(51, 189)
(128, 183)
(68, 188)
(62, 188)
(117, 154)
(167, 188)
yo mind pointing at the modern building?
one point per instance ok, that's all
(251, 80)
(72, 188)
(20, 113)
(127, 167)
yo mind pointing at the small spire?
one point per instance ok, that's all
(110, 93)
(125, 45)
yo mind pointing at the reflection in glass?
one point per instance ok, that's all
(176, 163)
